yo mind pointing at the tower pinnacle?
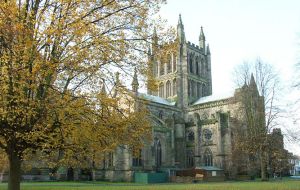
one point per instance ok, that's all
(154, 40)
(180, 31)
(252, 84)
(180, 21)
(202, 39)
(103, 90)
(207, 50)
(135, 82)
(117, 84)
(252, 80)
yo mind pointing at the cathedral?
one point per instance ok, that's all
(191, 127)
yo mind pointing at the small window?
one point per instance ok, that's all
(191, 65)
(191, 136)
(161, 90)
(110, 162)
(207, 134)
(162, 68)
(208, 159)
(137, 160)
(197, 68)
(190, 159)
(169, 64)
(160, 114)
(168, 93)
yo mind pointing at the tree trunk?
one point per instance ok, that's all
(93, 175)
(263, 168)
(14, 177)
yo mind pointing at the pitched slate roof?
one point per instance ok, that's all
(212, 98)
(156, 99)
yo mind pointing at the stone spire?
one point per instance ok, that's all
(117, 84)
(202, 39)
(180, 21)
(149, 51)
(154, 41)
(252, 80)
(103, 90)
(252, 85)
(135, 82)
(154, 36)
(245, 86)
(180, 31)
(207, 50)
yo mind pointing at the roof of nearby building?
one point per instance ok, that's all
(212, 98)
(156, 99)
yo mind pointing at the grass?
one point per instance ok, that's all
(255, 185)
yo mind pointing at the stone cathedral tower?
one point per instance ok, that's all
(185, 76)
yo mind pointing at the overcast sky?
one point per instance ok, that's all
(243, 30)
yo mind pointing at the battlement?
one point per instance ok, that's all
(194, 46)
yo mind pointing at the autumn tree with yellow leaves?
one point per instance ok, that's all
(54, 56)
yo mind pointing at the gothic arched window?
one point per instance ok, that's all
(110, 162)
(169, 64)
(158, 152)
(168, 93)
(161, 90)
(203, 90)
(160, 114)
(191, 64)
(137, 159)
(197, 68)
(198, 90)
(190, 159)
(202, 68)
(193, 88)
(208, 158)
(162, 68)
(174, 87)
(174, 62)
(190, 136)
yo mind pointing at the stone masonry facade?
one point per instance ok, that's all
(191, 127)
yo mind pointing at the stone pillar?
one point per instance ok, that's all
(173, 146)
(172, 61)
(198, 145)
(158, 68)
(220, 146)
(180, 145)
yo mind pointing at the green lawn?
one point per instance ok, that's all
(272, 185)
